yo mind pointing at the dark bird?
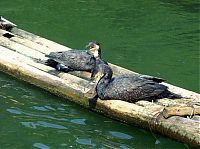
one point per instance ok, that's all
(5, 24)
(76, 60)
(128, 88)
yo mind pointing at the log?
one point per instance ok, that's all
(181, 111)
(5, 42)
(20, 63)
(57, 47)
(11, 55)
(39, 40)
(40, 45)
(117, 70)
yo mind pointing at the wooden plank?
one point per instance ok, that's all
(70, 79)
(143, 113)
(176, 102)
(5, 42)
(57, 47)
(121, 110)
(183, 92)
(116, 69)
(39, 40)
(181, 111)
(26, 42)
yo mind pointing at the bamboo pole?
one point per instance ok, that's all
(5, 42)
(116, 69)
(39, 40)
(143, 113)
(181, 111)
(11, 55)
(57, 47)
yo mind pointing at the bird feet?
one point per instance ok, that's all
(63, 68)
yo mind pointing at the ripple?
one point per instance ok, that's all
(61, 109)
(30, 124)
(157, 142)
(39, 108)
(50, 108)
(50, 125)
(85, 142)
(3, 96)
(14, 111)
(120, 135)
(41, 146)
(42, 124)
(124, 147)
(78, 121)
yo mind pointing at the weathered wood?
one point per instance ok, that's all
(123, 111)
(196, 118)
(28, 43)
(142, 113)
(11, 55)
(116, 69)
(5, 42)
(42, 48)
(19, 44)
(39, 40)
(57, 47)
(183, 92)
(175, 102)
(181, 111)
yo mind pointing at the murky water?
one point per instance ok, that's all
(159, 38)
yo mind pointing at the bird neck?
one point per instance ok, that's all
(95, 53)
(102, 86)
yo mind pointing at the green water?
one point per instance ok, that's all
(159, 38)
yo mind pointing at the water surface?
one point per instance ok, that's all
(154, 37)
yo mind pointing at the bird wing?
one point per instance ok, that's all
(64, 56)
(76, 59)
(133, 88)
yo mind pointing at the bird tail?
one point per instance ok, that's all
(54, 54)
(51, 62)
(154, 79)
(48, 62)
(170, 95)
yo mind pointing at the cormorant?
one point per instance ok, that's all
(128, 88)
(76, 60)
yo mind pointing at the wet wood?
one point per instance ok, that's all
(18, 54)
(117, 70)
(181, 111)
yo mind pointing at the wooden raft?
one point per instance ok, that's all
(19, 49)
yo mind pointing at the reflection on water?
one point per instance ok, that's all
(159, 38)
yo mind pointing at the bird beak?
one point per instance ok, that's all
(98, 76)
(95, 50)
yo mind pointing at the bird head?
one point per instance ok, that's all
(94, 48)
